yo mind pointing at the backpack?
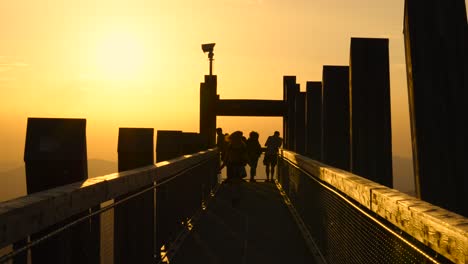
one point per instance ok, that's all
(237, 154)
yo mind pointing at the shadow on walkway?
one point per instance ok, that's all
(259, 229)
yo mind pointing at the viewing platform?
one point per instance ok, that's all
(332, 199)
(260, 229)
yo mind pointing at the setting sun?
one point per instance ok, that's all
(120, 56)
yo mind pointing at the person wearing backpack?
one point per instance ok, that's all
(254, 150)
(236, 157)
(235, 160)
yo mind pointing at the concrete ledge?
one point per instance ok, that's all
(443, 231)
(29, 214)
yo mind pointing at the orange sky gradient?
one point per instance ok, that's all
(139, 63)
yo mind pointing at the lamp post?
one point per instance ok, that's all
(209, 48)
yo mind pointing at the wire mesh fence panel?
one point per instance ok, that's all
(116, 230)
(343, 230)
(107, 234)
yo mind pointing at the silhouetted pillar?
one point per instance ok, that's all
(290, 89)
(300, 122)
(436, 41)
(191, 142)
(168, 145)
(335, 148)
(314, 120)
(134, 218)
(208, 100)
(55, 155)
(371, 131)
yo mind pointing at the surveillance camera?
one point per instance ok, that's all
(208, 47)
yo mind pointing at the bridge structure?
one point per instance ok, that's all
(332, 199)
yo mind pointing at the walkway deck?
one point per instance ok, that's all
(259, 229)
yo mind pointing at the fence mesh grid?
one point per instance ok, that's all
(94, 238)
(342, 232)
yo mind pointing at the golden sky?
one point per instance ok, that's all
(139, 63)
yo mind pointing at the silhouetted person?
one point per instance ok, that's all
(235, 160)
(272, 145)
(221, 142)
(254, 150)
(236, 157)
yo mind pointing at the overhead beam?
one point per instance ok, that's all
(250, 108)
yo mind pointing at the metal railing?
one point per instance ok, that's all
(90, 221)
(350, 219)
(354, 220)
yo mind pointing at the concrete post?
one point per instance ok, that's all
(300, 123)
(134, 218)
(371, 131)
(335, 148)
(208, 101)
(55, 155)
(436, 41)
(314, 120)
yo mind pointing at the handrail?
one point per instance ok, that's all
(443, 231)
(29, 214)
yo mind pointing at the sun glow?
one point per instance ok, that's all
(120, 56)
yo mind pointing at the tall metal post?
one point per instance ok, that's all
(55, 155)
(436, 41)
(210, 57)
(300, 125)
(335, 148)
(314, 120)
(290, 89)
(208, 101)
(371, 131)
(134, 218)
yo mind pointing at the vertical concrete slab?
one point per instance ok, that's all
(55, 155)
(135, 148)
(168, 144)
(371, 132)
(336, 140)
(134, 218)
(290, 90)
(300, 122)
(436, 41)
(208, 101)
(314, 120)
(191, 143)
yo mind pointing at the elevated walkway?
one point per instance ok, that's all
(258, 229)
(349, 219)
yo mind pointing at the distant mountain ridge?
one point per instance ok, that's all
(13, 181)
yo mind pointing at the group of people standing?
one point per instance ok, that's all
(237, 151)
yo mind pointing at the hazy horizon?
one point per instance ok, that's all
(15, 178)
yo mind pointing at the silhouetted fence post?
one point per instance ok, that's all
(335, 148)
(300, 128)
(168, 144)
(208, 101)
(191, 142)
(371, 130)
(55, 155)
(314, 120)
(436, 41)
(134, 218)
(290, 89)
